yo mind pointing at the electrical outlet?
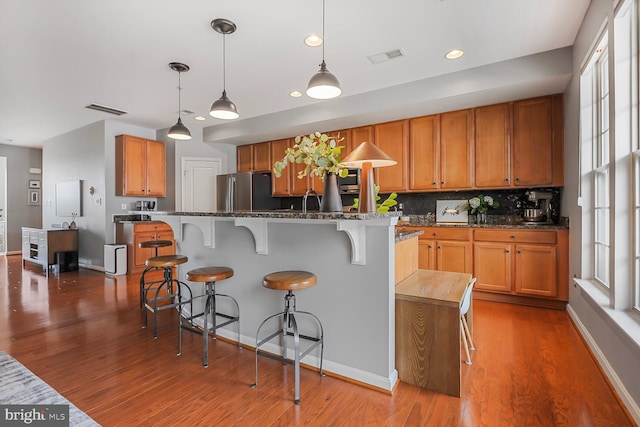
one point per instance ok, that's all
(98, 201)
(124, 206)
(579, 200)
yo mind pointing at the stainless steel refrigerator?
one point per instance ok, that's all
(244, 191)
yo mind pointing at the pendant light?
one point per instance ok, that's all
(224, 108)
(179, 131)
(323, 84)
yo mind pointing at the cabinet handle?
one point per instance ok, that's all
(441, 182)
(513, 237)
(517, 179)
(435, 234)
(433, 183)
(430, 247)
(518, 252)
(507, 251)
(506, 179)
(439, 247)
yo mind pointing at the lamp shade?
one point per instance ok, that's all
(179, 131)
(224, 108)
(367, 153)
(323, 84)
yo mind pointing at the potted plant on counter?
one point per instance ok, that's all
(481, 205)
(321, 155)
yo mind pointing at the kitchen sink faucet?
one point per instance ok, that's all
(304, 199)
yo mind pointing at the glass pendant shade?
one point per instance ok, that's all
(323, 84)
(179, 131)
(224, 108)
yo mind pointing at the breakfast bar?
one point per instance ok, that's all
(352, 256)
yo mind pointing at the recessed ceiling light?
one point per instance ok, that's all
(454, 54)
(313, 40)
(295, 94)
(200, 118)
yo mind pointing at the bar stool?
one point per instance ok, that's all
(167, 263)
(210, 275)
(150, 244)
(290, 281)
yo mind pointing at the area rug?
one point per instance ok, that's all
(20, 386)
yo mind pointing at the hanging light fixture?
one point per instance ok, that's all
(323, 84)
(179, 131)
(224, 108)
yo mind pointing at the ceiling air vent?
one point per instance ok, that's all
(386, 56)
(106, 109)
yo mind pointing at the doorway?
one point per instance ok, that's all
(3, 205)
(198, 183)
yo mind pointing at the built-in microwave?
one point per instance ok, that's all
(350, 184)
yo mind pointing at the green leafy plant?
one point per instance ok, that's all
(380, 207)
(318, 151)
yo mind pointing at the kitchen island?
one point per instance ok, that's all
(352, 256)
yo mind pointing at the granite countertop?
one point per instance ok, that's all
(495, 221)
(407, 234)
(288, 214)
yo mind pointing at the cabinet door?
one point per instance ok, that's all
(424, 157)
(533, 142)
(298, 185)
(140, 255)
(244, 158)
(166, 235)
(426, 254)
(454, 256)
(131, 166)
(492, 265)
(536, 270)
(362, 134)
(262, 157)
(455, 149)
(491, 153)
(156, 169)
(393, 139)
(281, 186)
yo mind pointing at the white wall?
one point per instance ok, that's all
(619, 354)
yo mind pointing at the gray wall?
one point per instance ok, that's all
(19, 213)
(619, 354)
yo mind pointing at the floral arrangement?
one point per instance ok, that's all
(380, 207)
(318, 151)
(480, 204)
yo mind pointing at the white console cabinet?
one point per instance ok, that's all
(41, 246)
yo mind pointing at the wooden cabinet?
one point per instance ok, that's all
(525, 263)
(456, 149)
(140, 167)
(281, 186)
(244, 158)
(492, 148)
(445, 249)
(41, 246)
(538, 142)
(393, 139)
(133, 233)
(424, 153)
(254, 157)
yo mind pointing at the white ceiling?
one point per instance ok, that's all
(60, 55)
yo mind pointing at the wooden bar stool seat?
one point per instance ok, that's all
(209, 276)
(290, 281)
(155, 244)
(168, 289)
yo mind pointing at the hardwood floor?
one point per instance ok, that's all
(80, 332)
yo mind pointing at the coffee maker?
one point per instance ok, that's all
(541, 213)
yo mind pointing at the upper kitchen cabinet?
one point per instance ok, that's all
(424, 153)
(456, 135)
(360, 135)
(140, 167)
(393, 139)
(281, 186)
(254, 157)
(538, 142)
(244, 158)
(492, 152)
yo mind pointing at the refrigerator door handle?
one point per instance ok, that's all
(231, 194)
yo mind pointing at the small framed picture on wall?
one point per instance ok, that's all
(34, 197)
(34, 183)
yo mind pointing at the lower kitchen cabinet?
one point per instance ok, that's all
(511, 265)
(445, 249)
(133, 233)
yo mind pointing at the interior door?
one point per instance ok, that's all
(198, 183)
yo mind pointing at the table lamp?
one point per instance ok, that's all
(366, 157)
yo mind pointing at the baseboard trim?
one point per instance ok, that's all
(628, 403)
